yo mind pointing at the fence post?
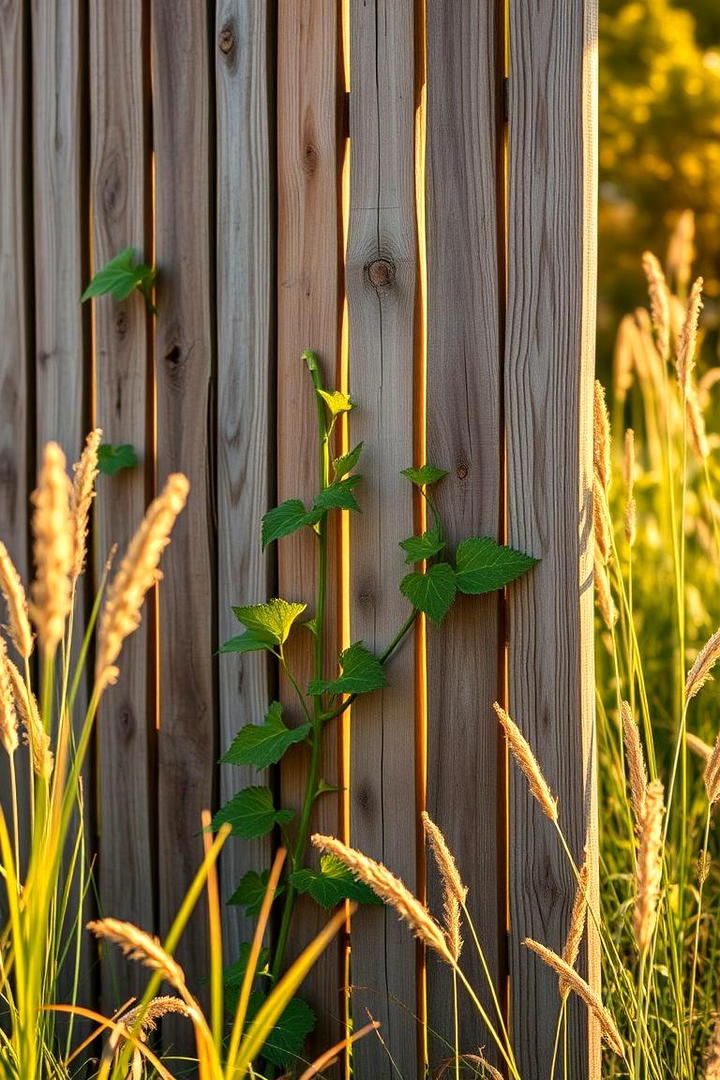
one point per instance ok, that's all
(548, 397)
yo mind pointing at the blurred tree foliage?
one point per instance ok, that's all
(659, 145)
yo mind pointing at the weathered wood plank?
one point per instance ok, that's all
(63, 407)
(465, 784)
(245, 246)
(308, 316)
(381, 288)
(119, 192)
(548, 394)
(187, 740)
(15, 319)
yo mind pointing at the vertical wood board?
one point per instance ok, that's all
(548, 387)
(119, 151)
(245, 244)
(381, 287)
(465, 785)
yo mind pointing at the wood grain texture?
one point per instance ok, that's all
(308, 316)
(465, 785)
(382, 769)
(548, 393)
(63, 407)
(15, 308)
(187, 739)
(245, 248)
(119, 154)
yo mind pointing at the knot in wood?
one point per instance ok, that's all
(461, 472)
(381, 272)
(226, 41)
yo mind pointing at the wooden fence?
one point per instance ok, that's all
(406, 186)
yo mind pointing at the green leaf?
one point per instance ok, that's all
(361, 672)
(264, 744)
(426, 474)
(332, 884)
(338, 495)
(285, 519)
(273, 619)
(250, 641)
(483, 565)
(250, 893)
(433, 592)
(251, 813)
(120, 276)
(284, 1045)
(234, 974)
(423, 547)
(336, 401)
(111, 459)
(347, 462)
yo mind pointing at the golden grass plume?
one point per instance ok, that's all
(659, 302)
(608, 610)
(454, 891)
(54, 549)
(85, 473)
(583, 990)
(390, 889)
(711, 775)
(528, 763)
(635, 761)
(601, 437)
(8, 713)
(648, 865)
(687, 340)
(38, 739)
(149, 1014)
(681, 250)
(137, 573)
(11, 587)
(138, 945)
(576, 930)
(701, 670)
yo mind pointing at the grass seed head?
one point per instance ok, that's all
(659, 302)
(137, 945)
(12, 589)
(137, 573)
(85, 473)
(576, 930)
(54, 549)
(8, 713)
(648, 866)
(711, 775)
(601, 437)
(687, 340)
(38, 739)
(701, 670)
(528, 763)
(390, 889)
(636, 763)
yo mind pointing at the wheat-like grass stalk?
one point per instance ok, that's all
(38, 739)
(54, 549)
(149, 1014)
(454, 891)
(687, 340)
(137, 573)
(11, 587)
(696, 424)
(712, 1062)
(583, 990)
(659, 302)
(608, 610)
(138, 945)
(648, 865)
(576, 929)
(626, 343)
(528, 763)
(701, 670)
(8, 713)
(85, 473)
(681, 250)
(601, 522)
(390, 889)
(698, 745)
(601, 437)
(636, 763)
(711, 775)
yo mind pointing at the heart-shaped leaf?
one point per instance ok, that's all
(250, 641)
(120, 276)
(250, 893)
(264, 744)
(347, 462)
(422, 547)
(483, 565)
(433, 592)
(361, 672)
(111, 459)
(273, 619)
(285, 519)
(332, 884)
(251, 813)
(338, 495)
(426, 474)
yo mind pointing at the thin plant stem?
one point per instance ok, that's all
(696, 944)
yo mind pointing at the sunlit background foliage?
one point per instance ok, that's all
(659, 148)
